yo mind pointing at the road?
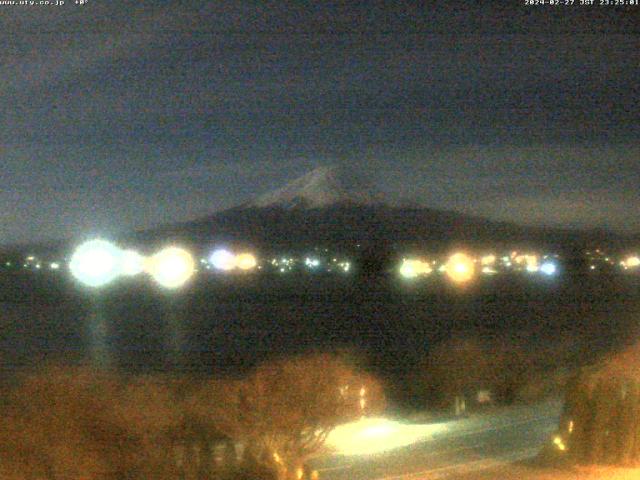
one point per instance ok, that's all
(438, 450)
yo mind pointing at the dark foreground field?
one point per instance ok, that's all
(228, 324)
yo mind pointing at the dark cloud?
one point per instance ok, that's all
(124, 114)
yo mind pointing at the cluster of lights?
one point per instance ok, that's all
(462, 268)
(488, 260)
(225, 261)
(284, 264)
(97, 263)
(345, 266)
(631, 262)
(413, 268)
(312, 262)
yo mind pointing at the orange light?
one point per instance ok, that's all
(411, 268)
(460, 268)
(171, 267)
(246, 261)
(632, 262)
(488, 260)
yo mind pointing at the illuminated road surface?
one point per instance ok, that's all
(444, 450)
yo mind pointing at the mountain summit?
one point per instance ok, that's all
(322, 187)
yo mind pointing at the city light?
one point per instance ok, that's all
(171, 267)
(532, 263)
(549, 268)
(409, 269)
(488, 260)
(131, 263)
(412, 268)
(246, 261)
(222, 259)
(460, 268)
(559, 443)
(311, 262)
(631, 262)
(95, 263)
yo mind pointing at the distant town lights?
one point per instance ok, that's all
(222, 259)
(95, 263)
(412, 268)
(488, 259)
(632, 262)
(460, 268)
(171, 267)
(246, 261)
(549, 268)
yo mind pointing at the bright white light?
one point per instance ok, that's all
(548, 268)
(409, 268)
(374, 435)
(172, 267)
(223, 260)
(54, 266)
(131, 263)
(246, 261)
(95, 263)
(312, 262)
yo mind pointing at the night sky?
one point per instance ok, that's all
(121, 114)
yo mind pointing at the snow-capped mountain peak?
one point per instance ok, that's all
(322, 187)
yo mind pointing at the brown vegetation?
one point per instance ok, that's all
(80, 423)
(601, 421)
(463, 366)
(284, 410)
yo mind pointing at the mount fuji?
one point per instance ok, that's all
(339, 206)
(320, 188)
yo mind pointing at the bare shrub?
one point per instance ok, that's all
(283, 410)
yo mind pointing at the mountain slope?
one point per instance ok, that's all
(321, 187)
(332, 205)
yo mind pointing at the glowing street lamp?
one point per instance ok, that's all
(222, 259)
(549, 268)
(411, 268)
(95, 263)
(460, 268)
(246, 261)
(172, 267)
(632, 262)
